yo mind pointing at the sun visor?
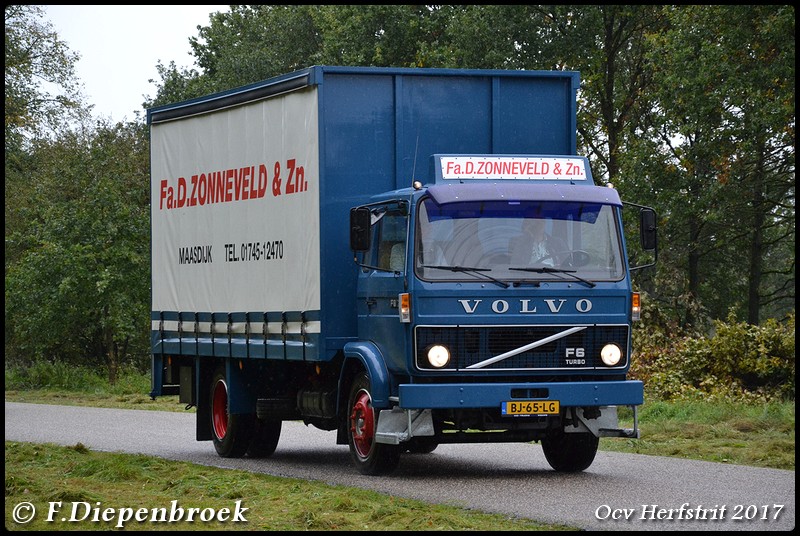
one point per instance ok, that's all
(454, 192)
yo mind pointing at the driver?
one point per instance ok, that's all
(534, 247)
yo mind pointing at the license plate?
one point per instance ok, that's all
(530, 407)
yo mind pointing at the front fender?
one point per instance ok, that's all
(372, 359)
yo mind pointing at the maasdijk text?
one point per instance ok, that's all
(235, 184)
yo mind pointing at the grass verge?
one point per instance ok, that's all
(87, 483)
(758, 435)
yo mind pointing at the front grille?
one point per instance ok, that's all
(521, 347)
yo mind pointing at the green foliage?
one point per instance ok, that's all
(378, 35)
(58, 375)
(757, 434)
(714, 152)
(738, 362)
(78, 287)
(63, 376)
(41, 91)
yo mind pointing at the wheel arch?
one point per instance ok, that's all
(365, 356)
(241, 389)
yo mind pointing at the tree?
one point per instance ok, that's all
(245, 45)
(722, 128)
(252, 43)
(762, 94)
(79, 291)
(42, 98)
(380, 35)
(606, 44)
(41, 91)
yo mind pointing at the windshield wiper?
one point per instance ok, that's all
(468, 270)
(548, 270)
(378, 268)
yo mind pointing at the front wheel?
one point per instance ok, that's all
(231, 433)
(421, 445)
(570, 453)
(370, 457)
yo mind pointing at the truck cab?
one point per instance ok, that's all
(486, 333)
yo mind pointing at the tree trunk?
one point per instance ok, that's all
(757, 243)
(693, 271)
(112, 353)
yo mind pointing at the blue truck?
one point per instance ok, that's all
(408, 257)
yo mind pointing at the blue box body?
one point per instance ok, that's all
(379, 128)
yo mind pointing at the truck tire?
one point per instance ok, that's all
(370, 457)
(231, 433)
(570, 453)
(265, 438)
(421, 445)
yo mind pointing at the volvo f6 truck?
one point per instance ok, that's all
(359, 249)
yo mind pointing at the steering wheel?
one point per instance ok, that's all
(571, 259)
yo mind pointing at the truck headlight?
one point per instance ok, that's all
(438, 356)
(610, 354)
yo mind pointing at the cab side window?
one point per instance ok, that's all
(391, 241)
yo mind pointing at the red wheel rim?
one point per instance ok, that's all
(362, 424)
(219, 409)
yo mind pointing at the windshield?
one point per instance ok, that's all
(517, 241)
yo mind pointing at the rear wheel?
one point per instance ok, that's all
(265, 438)
(369, 456)
(570, 453)
(231, 433)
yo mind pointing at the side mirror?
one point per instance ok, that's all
(647, 229)
(360, 220)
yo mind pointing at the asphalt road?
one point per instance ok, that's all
(618, 492)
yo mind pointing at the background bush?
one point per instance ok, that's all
(64, 376)
(736, 361)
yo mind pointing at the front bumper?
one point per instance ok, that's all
(491, 395)
(586, 407)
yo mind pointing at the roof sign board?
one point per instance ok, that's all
(507, 167)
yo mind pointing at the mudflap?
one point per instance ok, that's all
(606, 424)
(398, 425)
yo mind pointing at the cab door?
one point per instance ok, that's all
(381, 281)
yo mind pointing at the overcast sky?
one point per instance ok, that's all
(121, 45)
